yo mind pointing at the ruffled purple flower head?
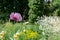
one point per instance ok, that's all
(11, 16)
(15, 16)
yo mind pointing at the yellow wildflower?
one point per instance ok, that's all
(32, 35)
(15, 37)
(3, 33)
(1, 37)
(17, 34)
(28, 31)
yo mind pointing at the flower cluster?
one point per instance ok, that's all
(15, 16)
(49, 24)
(48, 0)
(2, 34)
(16, 36)
(30, 34)
(25, 34)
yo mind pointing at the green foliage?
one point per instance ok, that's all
(56, 6)
(36, 9)
(40, 8)
(21, 31)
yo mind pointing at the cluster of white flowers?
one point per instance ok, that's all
(48, 0)
(51, 23)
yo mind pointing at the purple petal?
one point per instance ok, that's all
(18, 16)
(11, 16)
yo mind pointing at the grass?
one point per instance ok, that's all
(20, 31)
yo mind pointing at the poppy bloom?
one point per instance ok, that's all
(15, 16)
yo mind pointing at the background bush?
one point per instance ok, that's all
(41, 7)
(29, 9)
(36, 9)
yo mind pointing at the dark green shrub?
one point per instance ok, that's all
(40, 8)
(36, 9)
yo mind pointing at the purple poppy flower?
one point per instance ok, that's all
(11, 16)
(15, 16)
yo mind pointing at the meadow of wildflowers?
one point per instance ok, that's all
(29, 20)
(46, 28)
(21, 31)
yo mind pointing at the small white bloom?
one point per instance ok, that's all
(25, 23)
(11, 38)
(24, 30)
(48, 0)
(43, 33)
